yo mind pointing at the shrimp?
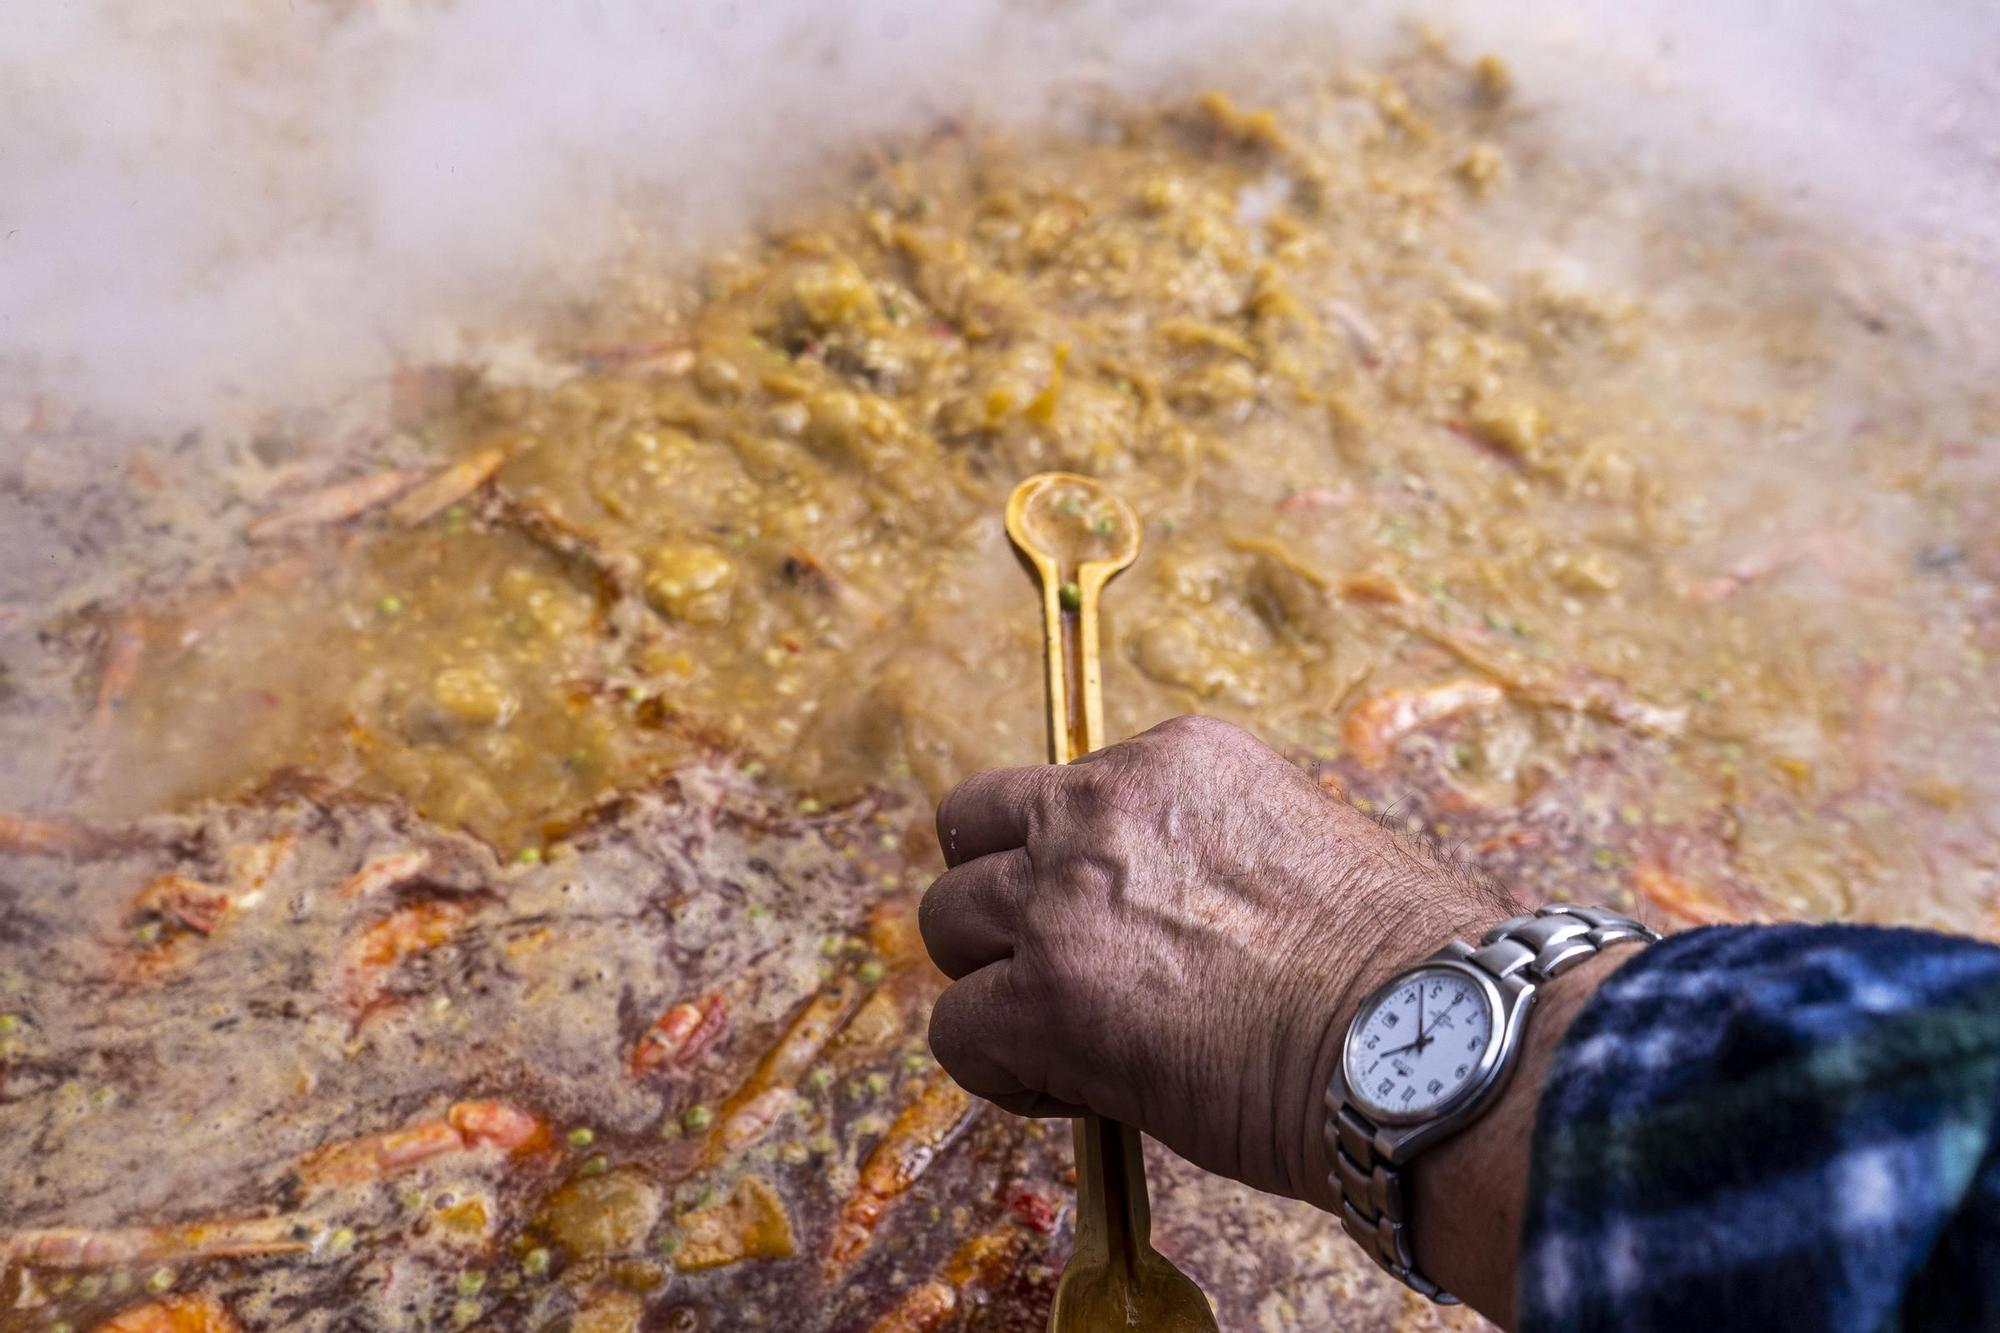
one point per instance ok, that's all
(1375, 724)
(26, 835)
(1688, 901)
(464, 1127)
(181, 905)
(374, 1156)
(751, 1120)
(404, 933)
(752, 1109)
(447, 486)
(385, 872)
(332, 504)
(85, 1247)
(924, 1130)
(680, 1034)
(497, 1125)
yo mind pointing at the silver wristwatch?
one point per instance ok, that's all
(1429, 1050)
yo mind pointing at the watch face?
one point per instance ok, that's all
(1419, 1044)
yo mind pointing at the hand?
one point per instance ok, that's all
(1173, 933)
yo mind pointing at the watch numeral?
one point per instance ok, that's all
(1436, 1083)
(1388, 1020)
(1382, 1088)
(1460, 1071)
(1437, 989)
(1475, 1044)
(1373, 1042)
(1409, 1093)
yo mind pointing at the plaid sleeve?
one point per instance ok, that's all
(1773, 1127)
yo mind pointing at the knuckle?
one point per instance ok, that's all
(1194, 726)
(1109, 794)
(931, 911)
(948, 1027)
(948, 815)
(1031, 972)
(1048, 801)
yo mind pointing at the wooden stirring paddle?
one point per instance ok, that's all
(1075, 535)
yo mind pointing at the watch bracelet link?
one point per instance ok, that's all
(1534, 947)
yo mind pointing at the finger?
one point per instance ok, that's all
(980, 1030)
(969, 916)
(989, 812)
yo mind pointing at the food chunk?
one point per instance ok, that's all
(597, 1217)
(690, 582)
(751, 1223)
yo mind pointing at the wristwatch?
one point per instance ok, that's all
(1429, 1050)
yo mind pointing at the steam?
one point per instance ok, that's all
(264, 201)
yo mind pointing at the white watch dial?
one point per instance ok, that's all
(1420, 1044)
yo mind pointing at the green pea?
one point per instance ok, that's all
(582, 1137)
(869, 972)
(535, 1262)
(1070, 595)
(697, 1118)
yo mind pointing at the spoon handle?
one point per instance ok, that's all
(1114, 1220)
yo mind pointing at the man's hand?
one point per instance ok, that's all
(1173, 933)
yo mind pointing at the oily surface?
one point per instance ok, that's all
(491, 902)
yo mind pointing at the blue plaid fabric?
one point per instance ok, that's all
(1773, 1128)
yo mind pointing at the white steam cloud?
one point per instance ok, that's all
(265, 201)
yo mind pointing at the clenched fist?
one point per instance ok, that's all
(1172, 933)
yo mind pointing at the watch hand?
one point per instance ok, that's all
(1398, 1050)
(1420, 1016)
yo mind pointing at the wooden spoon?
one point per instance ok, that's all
(1074, 537)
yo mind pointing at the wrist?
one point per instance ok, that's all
(1471, 1190)
(1408, 907)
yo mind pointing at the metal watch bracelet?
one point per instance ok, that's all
(1518, 954)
